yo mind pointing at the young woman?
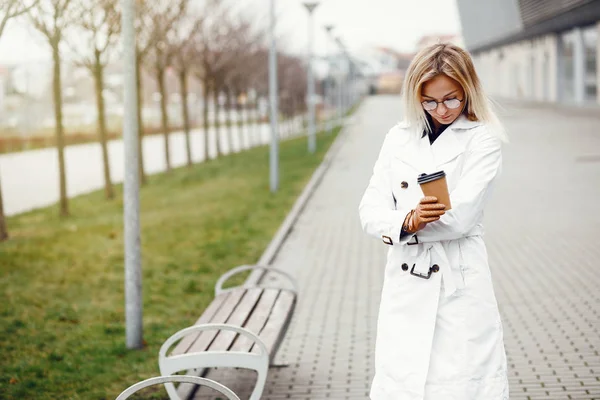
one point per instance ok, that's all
(439, 333)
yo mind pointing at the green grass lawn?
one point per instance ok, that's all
(62, 312)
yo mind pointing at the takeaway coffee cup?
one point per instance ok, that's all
(435, 185)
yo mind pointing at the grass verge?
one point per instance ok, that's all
(62, 314)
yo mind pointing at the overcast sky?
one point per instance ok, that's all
(360, 23)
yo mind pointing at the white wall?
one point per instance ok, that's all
(524, 70)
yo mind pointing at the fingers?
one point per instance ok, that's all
(434, 206)
(429, 210)
(431, 213)
(428, 199)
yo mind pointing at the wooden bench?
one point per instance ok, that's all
(241, 328)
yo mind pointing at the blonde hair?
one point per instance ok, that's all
(456, 63)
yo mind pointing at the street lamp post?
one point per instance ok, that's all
(131, 193)
(312, 139)
(340, 82)
(328, 86)
(274, 154)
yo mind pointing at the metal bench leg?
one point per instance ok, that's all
(170, 364)
(181, 379)
(260, 385)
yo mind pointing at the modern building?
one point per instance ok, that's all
(539, 50)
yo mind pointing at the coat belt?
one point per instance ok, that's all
(447, 256)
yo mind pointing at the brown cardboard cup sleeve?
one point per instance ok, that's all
(435, 184)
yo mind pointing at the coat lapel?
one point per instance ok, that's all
(424, 157)
(448, 146)
(416, 153)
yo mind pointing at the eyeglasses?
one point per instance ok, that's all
(451, 104)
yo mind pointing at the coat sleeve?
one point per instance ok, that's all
(377, 209)
(483, 164)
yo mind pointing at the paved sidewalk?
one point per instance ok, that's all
(542, 229)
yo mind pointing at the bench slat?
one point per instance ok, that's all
(239, 317)
(257, 320)
(206, 338)
(184, 344)
(278, 321)
(203, 340)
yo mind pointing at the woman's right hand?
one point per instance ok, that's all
(428, 210)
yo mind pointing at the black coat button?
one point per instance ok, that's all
(405, 267)
(435, 268)
(404, 184)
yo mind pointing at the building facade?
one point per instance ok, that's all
(539, 50)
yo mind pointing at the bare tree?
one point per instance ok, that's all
(10, 9)
(182, 38)
(144, 42)
(51, 18)
(257, 80)
(292, 82)
(166, 15)
(99, 22)
(219, 78)
(209, 43)
(245, 45)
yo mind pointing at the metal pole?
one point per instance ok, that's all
(312, 145)
(346, 85)
(328, 86)
(312, 138)
(131, 196)
(350, 83)
(274, 156)
(340, 92)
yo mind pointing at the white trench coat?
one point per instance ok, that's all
(439, 338)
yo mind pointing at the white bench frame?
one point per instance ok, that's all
(168, 380)
(233, 359)
(234, 271)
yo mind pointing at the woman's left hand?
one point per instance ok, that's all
(428, 210)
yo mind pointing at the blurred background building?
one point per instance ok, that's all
(539, 50)
(386, 67)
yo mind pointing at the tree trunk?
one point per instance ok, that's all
(160, 78)
(240, 114)
(228, 119)
(293, 112)
(3, 230)
(99, 81)
(257, 126)
(205, 100)
(138, 82)
(253, 129)
(186, 116)
(217, 109)
(283, 113)
(60, 134)
(286, 119)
